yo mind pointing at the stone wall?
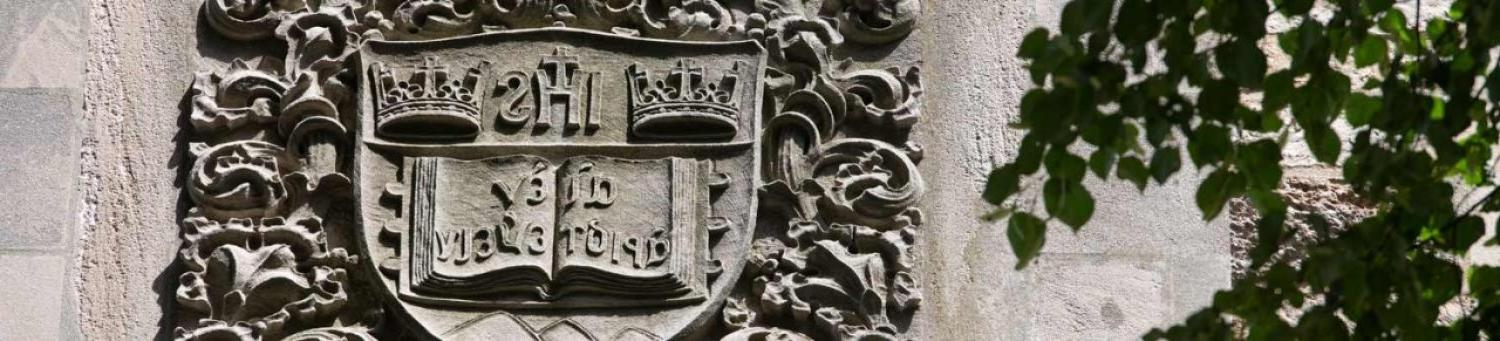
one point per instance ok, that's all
(41, 97)
(1145, 261)
(1311, 194)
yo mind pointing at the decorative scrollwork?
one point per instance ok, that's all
(867, 182)
(271, 156)
(240, 180)
(331, 334)
(246, 19)
(840, 281)
(428, 19)
(603, 15)
(839, 166)
(247, 95)
(875, 21)
(864, 21)
(320, 41)
(259, 278)
(687, 19)
(888, 98)
(766, 334)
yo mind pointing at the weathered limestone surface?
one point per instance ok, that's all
(41, 90)
(131, 165)
(1144, 262)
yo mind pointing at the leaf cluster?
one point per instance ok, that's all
(1148, 91)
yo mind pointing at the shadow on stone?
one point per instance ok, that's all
(166, 282)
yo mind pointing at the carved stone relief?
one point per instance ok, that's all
(553, 170)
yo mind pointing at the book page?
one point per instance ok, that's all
(492, 222)
(614, 218)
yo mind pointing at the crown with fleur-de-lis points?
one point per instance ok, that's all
(429, 104)
(684, 103)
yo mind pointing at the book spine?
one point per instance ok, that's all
(423, 217)
(685, 221)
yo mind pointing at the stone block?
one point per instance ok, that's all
(1097, 297)
(42, 44)
(32, 293)
(38, 155)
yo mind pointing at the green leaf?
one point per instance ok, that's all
(1209, 144)
(1311, 50)
(1032, 105)
(1269, 229)
(1394, 22)
(1249, 119)
(1042, 110)
(1062, 164)
(1279, 87)
(1104, 132)
(1216, 190)
(1441, 279)
(1290, 42)
(1129, 139)
(1136, 23)
(1035, 44)
(1069, 202)
(1267, 202)
(1325, 144)
(1296, 7)
(1321, 324)
(1073, 19)
(1083, 16)
(1250, 19)
(1101, 163)
(1218, 100)
(1157, 131)
(1439, 109)
(1372, 50)
(1242, 61)
(1099, 12)
(1466, 233)
(1029, 158)
(1003, 182)
(1164, 163)
(1027, 235)
(1424, 124)
(1134, 170)
(1484, 279)
(1359, 108)
(1260, 161)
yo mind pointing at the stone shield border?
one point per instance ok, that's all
(552, 95)
(270, 141)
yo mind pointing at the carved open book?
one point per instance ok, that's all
(526, 228)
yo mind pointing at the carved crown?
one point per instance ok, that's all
(682, 103)
(429, 104)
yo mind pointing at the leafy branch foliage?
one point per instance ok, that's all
(1127, 87)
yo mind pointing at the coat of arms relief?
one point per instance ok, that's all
(553, 170)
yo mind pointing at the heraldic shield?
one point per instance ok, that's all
(548, 180)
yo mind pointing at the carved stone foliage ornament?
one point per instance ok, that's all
(553, 170)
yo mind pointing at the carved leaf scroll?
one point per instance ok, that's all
(840, 167)
(259, 277)
(862, 21)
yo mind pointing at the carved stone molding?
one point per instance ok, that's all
(540, 170)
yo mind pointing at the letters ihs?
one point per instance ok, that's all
(563, 91)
